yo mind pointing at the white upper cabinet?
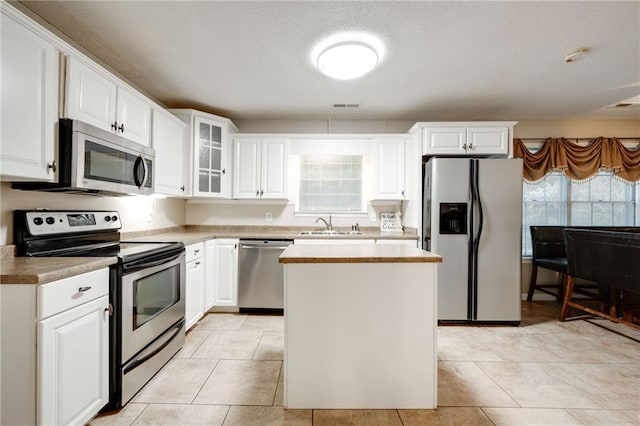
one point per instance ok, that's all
(91, 97)
(96, 99)
(472, 138)
(133, 116)
(246, 168)
(446, 140)
(170, 140)
(390, 176)
(29, 112)
(210, 152)
(260, 168)
(488, 140)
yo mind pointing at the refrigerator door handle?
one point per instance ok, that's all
(478, 202)
(471, 257)
(476, 234)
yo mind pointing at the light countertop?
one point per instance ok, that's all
(196, 234)
(374, 253)
(41, 270)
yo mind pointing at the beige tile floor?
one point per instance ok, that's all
(544, 372)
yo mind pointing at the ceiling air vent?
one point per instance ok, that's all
(346, 105)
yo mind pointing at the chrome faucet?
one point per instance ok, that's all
(329, 225)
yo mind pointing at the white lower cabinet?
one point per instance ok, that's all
(195, 276)
(73, 364)
(55, 357)
(211, 268)
(226, 277)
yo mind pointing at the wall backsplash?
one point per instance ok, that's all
(241, 213)
(134, 211)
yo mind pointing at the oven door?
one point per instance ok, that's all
(153, 300)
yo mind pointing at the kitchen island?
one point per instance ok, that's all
(360, 327)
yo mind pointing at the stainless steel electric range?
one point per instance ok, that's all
(147, 288)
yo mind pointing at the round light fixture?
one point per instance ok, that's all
(347, 60)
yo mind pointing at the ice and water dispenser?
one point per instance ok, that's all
(453, 218)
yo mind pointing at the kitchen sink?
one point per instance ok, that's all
(330, 232)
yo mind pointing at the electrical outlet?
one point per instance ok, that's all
(373, 217)
(149, 217)
(268, 217)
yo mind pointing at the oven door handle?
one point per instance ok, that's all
(145, 263)
(134, 363)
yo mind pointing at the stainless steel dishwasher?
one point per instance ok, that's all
(260, 276)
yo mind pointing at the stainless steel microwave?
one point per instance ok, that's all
(98, 162)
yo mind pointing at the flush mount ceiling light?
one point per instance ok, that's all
(347, 60)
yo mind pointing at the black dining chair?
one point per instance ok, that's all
(610, 259)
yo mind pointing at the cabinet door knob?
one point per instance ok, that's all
(83, 289)
(197, 262)
(53, 166)
(224, 171)
(257, 193)
(109, 309)
(196, 251)
(182, 188)
(114, 126)
(235, 246)
(261, 192)
(470, 146)
(121, 128)
(402, 192)
(464, 146)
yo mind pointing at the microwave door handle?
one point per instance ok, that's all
(146, 172)
(140, 181)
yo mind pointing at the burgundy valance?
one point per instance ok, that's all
(579, 162)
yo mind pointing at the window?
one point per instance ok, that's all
(557, 200)
(330, 183)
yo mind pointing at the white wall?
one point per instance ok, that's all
(134, 210)
(324, 126)
(283, 214)
(577, 128)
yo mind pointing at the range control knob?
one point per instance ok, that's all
(114, 218)
(38, 220)
(107, 218)
(50, 220)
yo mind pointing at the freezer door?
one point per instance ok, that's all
(450, 186)
(499, 258)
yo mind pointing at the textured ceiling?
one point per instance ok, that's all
(442, 60)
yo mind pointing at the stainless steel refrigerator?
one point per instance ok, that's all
(472, 214)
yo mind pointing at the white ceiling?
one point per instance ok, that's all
(442, 60)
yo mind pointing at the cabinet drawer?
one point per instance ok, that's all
(194, 251)
(67, 293)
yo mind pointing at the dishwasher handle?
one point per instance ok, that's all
(256, 247)
(265, 244)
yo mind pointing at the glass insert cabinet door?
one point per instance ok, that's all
(211, 152)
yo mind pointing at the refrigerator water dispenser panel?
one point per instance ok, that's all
(453, 218)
